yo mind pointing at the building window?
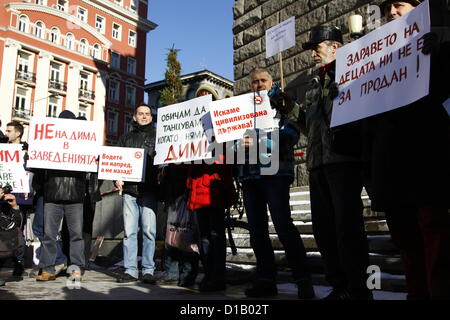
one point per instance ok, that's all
(84, 81)
(41, 2)
(53, 107)
(69, 41)
(96, 51)
(131, 65)
(83, 46)
(82, 14)
(39, 29)
(132, 37)
(117, 31)
(23, 62)
(112, 122)
(54, 36)
(23, 24)
(61, 5)
(115, 60)
(100, 24)
(128, 123)
(83, 111)
(21, 100)
(114, 87)
(55, 71)
(130, 96)
(134, 5)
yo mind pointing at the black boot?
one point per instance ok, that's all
(19, 269)
(262, 289)
(305, 290)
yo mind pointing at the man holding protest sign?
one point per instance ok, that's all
(261, 190)
(335, 179)
(140, 201)
(64, 193)
(415, 199)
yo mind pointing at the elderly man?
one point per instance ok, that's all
(414, 194)
(262, 190)
(335, 179)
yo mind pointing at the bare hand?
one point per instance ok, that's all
(11, 199)
(119, 185)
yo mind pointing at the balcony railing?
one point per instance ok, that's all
(57, 85)
(22, 114)
(26, 76)
(86, 94)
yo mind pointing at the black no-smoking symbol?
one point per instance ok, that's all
(258, 100)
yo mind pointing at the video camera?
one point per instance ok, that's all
(7, 189)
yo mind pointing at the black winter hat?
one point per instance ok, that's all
(322, 33)
(415, 3)
(66, 114)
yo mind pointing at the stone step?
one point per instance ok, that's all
(371, 226)
(377, 243)
(387, 263)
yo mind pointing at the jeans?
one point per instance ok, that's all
(273, 191)
(38, 231)
(53, 216)
(180, 265)
(134, 209)
(338, 225)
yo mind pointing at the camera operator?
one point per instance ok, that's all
(10, 218)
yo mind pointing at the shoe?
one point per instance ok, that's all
(166, 281)
(211, 286)
(76, 276)
(19, 270)
(60, 268)
(125, 278)
(2, 282)
(34, 272)
(45, 276)
(148, 278)
(186, 283)
(338, 294)
(305, 290)
(262, 289)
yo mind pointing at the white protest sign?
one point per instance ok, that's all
(12, 171)
(180, 136)
(383, 70)
(126, 164)
(280, 37)
(232, 117)
(64, 144)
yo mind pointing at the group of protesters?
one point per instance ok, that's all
(374, 153)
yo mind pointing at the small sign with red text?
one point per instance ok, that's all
(232, 117)
(125, 164)
(64, 144)
(12, 171)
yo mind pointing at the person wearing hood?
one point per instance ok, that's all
(64, 193)
(139, 200)
(335, 178)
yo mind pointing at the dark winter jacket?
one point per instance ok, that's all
(314, 120)
(282, 145)
(64, 186)
(142, 137)
(407, 150)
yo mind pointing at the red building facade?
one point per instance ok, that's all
(84, 56)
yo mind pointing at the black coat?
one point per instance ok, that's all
(142, 137)
(407, 150)
(64, 186)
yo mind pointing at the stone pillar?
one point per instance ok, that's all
(8, 79)
(43, 75)
(73, 86)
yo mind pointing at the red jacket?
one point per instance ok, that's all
(210, 186)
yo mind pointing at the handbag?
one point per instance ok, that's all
(182, 227)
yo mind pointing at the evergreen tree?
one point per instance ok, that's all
(172, 92)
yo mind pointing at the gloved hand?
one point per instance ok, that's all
(430, 43)
(283, 102)
(333, 90)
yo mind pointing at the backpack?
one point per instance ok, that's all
(10, 235)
